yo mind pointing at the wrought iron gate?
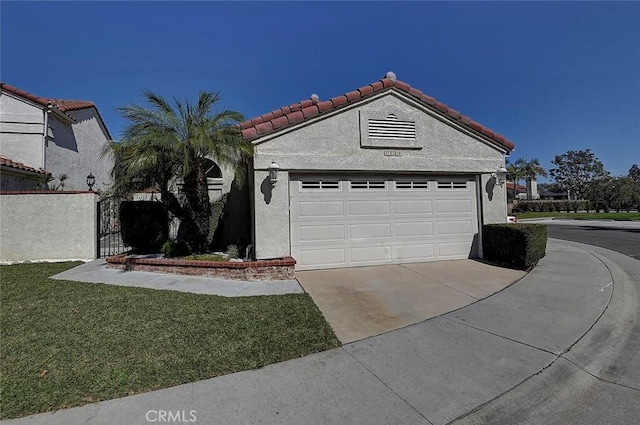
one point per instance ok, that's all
(109, 239)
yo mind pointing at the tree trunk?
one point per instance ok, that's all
(198, 208)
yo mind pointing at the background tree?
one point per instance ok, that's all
(634, 173)
(165, 143)
(576, 170)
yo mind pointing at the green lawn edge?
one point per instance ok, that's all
(66, 343)
(631, 216)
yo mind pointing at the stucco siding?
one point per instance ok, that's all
(51, 226)
(271, 215)
(75, 149)
(21, 131)
(336, 143)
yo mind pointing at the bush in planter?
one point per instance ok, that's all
(517, 245)
(143, 225)
(175, 249)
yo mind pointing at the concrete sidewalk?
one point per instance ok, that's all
(97, 272)
(512, 352)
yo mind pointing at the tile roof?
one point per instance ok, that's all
(7, 162)
(306, 109)
(63, 105)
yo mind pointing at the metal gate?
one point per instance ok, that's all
(109, 238)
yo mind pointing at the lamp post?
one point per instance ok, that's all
(91, 180)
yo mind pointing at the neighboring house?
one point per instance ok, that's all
(18, 176)
(63, 137)
(520, 191)
(383, 174)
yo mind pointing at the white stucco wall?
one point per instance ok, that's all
(48, 226)
(75, 149)
(21, 131)
(19, 180)
(333, 143)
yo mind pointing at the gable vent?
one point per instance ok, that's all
(392, 128)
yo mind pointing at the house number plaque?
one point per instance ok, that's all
(392, 153)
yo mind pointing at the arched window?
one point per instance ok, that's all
(212, 169)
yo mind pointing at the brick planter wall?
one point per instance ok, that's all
(280, 269)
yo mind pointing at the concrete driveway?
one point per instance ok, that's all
(366, 301)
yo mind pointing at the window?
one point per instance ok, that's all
(412, 184)
(320, 184)
(368, 184)
(452, 184)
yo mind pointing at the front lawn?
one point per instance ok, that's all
(67, 343)
(582, 216)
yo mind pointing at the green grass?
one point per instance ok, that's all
(68, 343)
(582, 216)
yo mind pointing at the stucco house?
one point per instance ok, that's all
(382, 174)
(15, 175)
(56, 136)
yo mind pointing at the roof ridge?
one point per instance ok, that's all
(308, 108)
(62, 104)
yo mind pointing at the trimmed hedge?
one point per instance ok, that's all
(143, 225)
(517, 245)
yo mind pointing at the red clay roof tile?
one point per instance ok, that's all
(63, 105)
(310, 112)
(8, 162)
(309, 108)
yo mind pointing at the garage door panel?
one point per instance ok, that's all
(366, 208)
(419, 252)
(305, 233)
(312, 209)
(454, 206)
(457, 249)
(414, 229)
(412, 206)
(418, 219)
(322, 257)
(370, 254)
(457, 227)
(368, 231)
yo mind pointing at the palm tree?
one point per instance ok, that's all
(515, 173)
(165, 142)
(531, 170)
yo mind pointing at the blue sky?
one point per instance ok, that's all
(549, 76)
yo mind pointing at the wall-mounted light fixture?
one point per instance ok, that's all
(273, 172)
(500, 175)
(91, 180)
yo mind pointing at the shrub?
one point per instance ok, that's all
(518, 245)
(143, 225)
(233, 251)
(175, 249)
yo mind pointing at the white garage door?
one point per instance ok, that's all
(339, 221)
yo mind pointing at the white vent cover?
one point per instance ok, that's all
(392, 129)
